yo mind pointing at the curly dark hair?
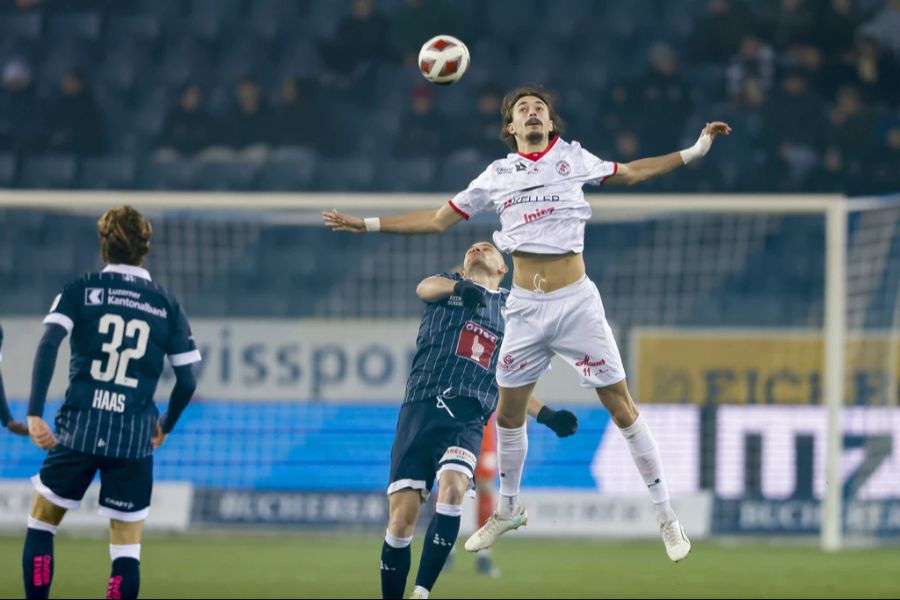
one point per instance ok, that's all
(509, 101)
(124, 236)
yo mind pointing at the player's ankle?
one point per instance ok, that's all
(664, 512)
(506, 505)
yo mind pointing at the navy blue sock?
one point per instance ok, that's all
(125, 579)
(37, 563)
(439, 542)
(394, 568)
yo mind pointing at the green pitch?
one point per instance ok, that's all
(335, 566)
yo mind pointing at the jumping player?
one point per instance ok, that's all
(122, 325)
(450, 393)
(553, 307)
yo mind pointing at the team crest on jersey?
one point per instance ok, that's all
(563, 168)
(93, 296)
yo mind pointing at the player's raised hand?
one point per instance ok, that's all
(716, 128)
(158, 436)
(41, 433)
(338, 221)
(17, 427)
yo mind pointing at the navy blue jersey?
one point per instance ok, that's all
(122, 325)
(456, 350)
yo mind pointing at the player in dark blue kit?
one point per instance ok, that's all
(450, 394)
(6, 419)
(122, 326)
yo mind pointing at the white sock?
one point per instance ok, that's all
(125, 551)
(646, 458)
(397, 542)
(41, 525)
(421, 591)
(512, 446)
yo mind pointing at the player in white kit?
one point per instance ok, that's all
(553, 307)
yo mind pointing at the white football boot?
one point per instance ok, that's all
(494, 528)
(678, 546)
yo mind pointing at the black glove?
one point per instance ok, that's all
(563, 422)
(471, 293)
(1, 337)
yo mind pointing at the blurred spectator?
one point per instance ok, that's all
(417, 20)
(249, 123)
(885, 170)
(853, 124)
(885, 27)
(663, 98)
(360, 40)
(21, 117)
(188, 128)
(784, 22)
(628, 147)
(716, 36)
(835, 27)
(296, 115)
(74, 120)
(422, 132)
(481, 131)
(796, 115)
(754, 58)
(874, 71)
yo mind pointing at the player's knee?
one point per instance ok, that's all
(45, 511)
(125, 532)
(618, 402)
(452, 487)
(510, 419)
(401, 524)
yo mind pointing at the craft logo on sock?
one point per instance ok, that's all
(654, 483)
(439, 541)
(113, 590)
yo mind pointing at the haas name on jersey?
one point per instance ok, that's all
(106, 400)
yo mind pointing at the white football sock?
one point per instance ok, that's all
(512, 446)
(646, 458)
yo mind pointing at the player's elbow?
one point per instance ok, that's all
(186, 380)
(630, 175)
(437, 226)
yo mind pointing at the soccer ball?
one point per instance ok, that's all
(443, 59)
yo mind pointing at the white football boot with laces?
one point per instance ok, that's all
(678, 546)
(494, 528)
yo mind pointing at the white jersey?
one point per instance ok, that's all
(538, 197)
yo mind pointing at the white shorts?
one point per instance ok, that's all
(569, 322)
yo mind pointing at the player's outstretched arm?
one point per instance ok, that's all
(42, 374)
(416, 221)
(563, 422)
(643, 169)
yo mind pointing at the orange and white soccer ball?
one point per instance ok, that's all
(443, 59)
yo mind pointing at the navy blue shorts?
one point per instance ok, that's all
(125, 483)
(433, 436)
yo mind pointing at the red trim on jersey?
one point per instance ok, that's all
(461, 212)
(537, 155)
(615, 170)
